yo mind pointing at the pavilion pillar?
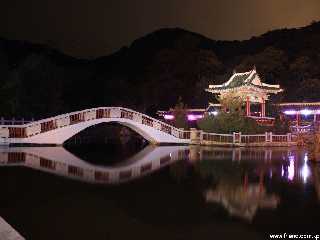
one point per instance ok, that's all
(298, 118)
(248, 106)
(263, 108)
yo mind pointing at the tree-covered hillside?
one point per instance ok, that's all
(151, 74)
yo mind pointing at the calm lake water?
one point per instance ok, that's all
(169, 192)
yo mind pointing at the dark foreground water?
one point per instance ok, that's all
(172, 192)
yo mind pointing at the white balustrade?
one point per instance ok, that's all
(34, 129)
(90, 115)
(4, 132)
(62, 122)
(137, 118)
(115, 113)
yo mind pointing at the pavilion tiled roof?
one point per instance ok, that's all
(244, 79)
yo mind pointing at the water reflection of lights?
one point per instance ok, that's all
(305, 171)
(291, 168)
(289, 174)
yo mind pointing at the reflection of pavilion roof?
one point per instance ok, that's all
(244, 80)
(242, 203)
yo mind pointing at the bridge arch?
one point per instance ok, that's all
(73, 130)
(99, 128)
(57, 130)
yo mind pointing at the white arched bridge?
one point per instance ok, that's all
(58, 129)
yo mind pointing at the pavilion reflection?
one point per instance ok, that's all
(242, 202)
(241, 178)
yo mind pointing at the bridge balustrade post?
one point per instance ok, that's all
(196, 136)
(137, 118)
(236, 137)
(270, 136)
(181, 133)
(201, 136)
(115, 113)
(4, 133)
(135, 171)
(289, 137)
(267, 137)
(156, 125)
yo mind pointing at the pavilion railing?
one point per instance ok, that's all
(302, 129)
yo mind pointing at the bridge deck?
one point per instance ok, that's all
(58, 129)
(7, 232)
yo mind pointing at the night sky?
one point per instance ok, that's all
(99, 27)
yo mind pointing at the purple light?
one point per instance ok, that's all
(305, 172)
(191, 117)
(306, 112)
(168, 117)
(291, 168)
(194, 117)
(290, 112)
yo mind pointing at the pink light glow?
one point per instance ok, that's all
(305, 112)
(194, 117)
(191, 117)
(291, 168)
(290, 112)
(168, 117)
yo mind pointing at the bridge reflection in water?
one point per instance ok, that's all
(59, 161)
(239, 174)
(289, 163)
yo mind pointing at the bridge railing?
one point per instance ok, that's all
(195, 136)
(14, 121)
(45, 125)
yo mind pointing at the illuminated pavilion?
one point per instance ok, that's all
(248, 87)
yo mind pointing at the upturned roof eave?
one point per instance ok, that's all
(225, 89)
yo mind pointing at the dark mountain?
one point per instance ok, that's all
(151, 74)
